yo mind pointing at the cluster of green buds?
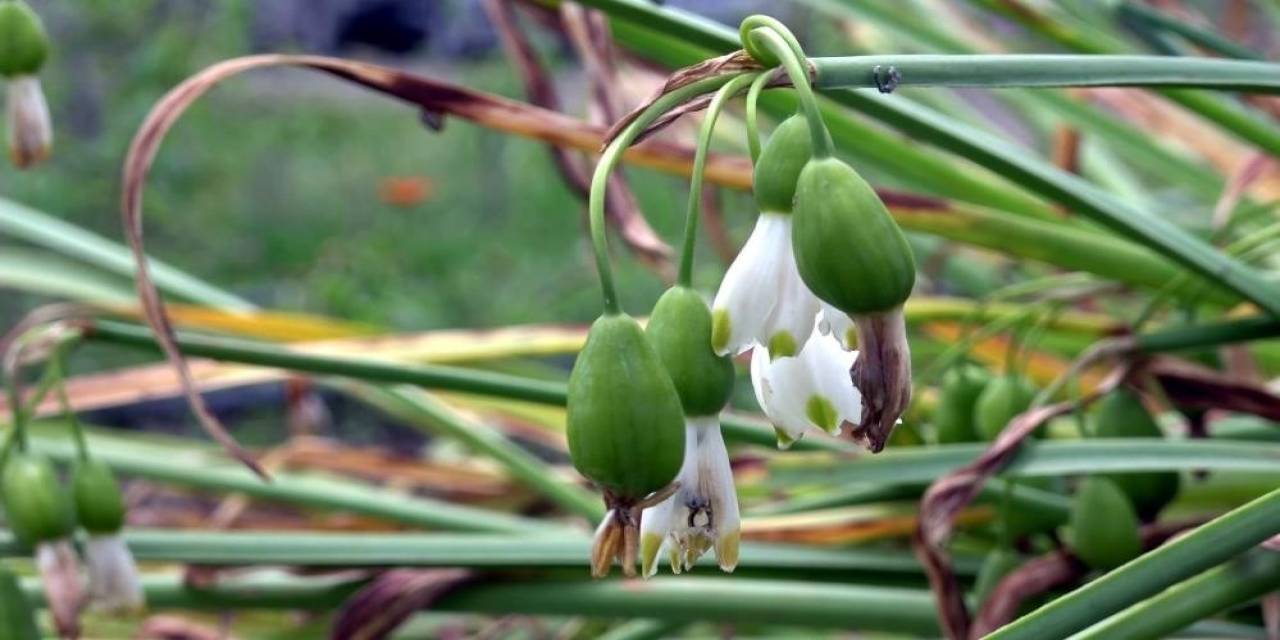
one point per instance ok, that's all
(43, 515)
(825, 269)
(24, 46)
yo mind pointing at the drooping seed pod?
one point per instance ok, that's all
(1000, 402)
(680, 330)
(954, 416)
(848, 248)
(625, 430)
(783, 158)
(34, 501)
(1122, 415)
(24, 46)
(1104, 527)
(99, 506)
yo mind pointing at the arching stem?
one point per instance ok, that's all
(722, 96)
(610, 158)
(753, 123)
(761, 34)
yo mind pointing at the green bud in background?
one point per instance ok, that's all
(1104, 527)
(99, 505)
(625, 424)
(24, 46)
(1122, 415)
(998, 564)
(37, 507)
(848, 248)
(1002, 400)
(680, 330)
(17, 615)
(781, 160)
(958, 397)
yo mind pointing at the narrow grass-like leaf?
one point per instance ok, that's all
(1203, 548)
(922, 465)
(52, 275)
(213, 472)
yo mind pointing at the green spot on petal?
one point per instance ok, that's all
(650, 543)
(784, 439)
(821, 412)
(851, 337)
(720, 327)
(781, 345)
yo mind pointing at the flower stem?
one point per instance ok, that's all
(796, 68)
(753, 126)
(610, 158)
(699, 165)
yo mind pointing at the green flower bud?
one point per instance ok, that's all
(953, 417)
(1122, 415)
(625, 424)
(1000, 402)
(680, 330)
(17, 616)
(99, 506)
(849, 250)
(1104, 526)
(781, 160)
(23, 43)
(37, 507)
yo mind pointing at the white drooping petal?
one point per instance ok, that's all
(113, 575)
(839, 325)
(812, 389)
(30, 132)
(762, 299)
(703, 512)
(59, 570)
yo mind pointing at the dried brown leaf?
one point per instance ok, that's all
(392, 597)
(1193, 386)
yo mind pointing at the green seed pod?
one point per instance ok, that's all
(1104, 526)
(1122, 415)
(680, 330)
(37, 507)
(998, 564)
(1002, 399)
(625, 424)
(849, 250)
(99, 506)
(1020, 523)
(23, 43)
(17, 616)
(953, 417)
(781, 160)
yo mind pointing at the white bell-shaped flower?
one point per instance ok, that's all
(30, 132)
(703, 512)
(812, 389)
(762, 299)
(59, 569)
(113, 576)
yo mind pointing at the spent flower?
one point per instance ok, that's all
(113, 575)
(24, 46)
(40, 515)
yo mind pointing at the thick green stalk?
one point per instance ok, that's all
(1207, 546)
(1239, 581)
(1049, 458)
(694, 207)
(481, 551)
(1048, 70)
(210, 471)
(609, 159)
(738, 600)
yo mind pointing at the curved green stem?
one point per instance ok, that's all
(57, 373)
(796, 70)
(610, 158)
(753, 122)
(699, 165)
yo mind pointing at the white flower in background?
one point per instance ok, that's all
(762, 299)
(812, 389)
(113, 576)
(59, 569)
(703, 513)
(30, 132)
